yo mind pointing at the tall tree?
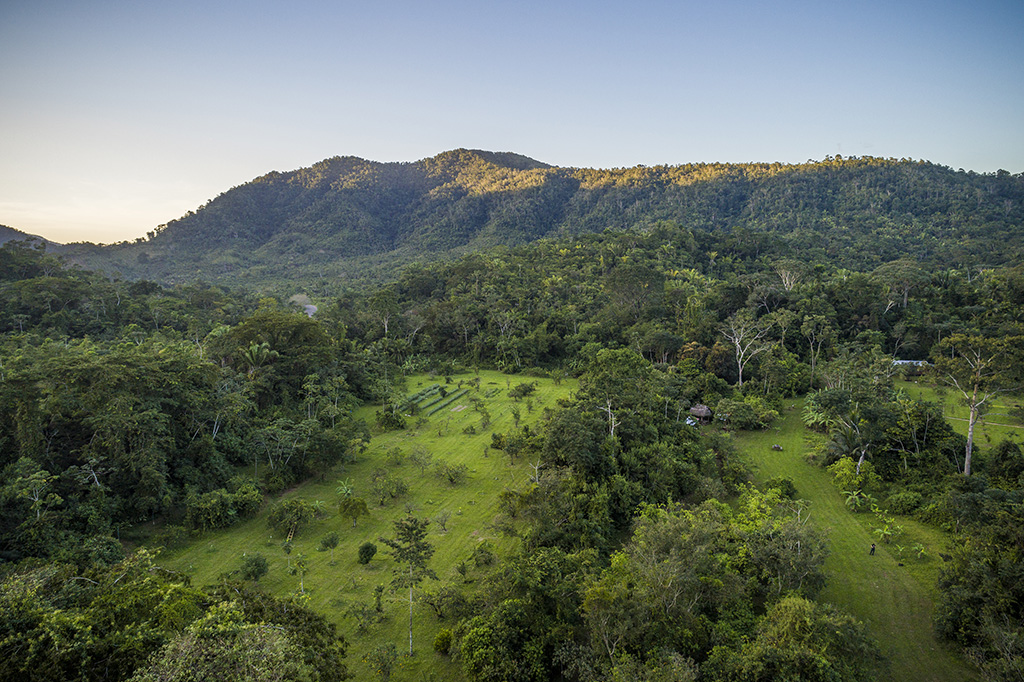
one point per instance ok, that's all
(978, 368)
(748, 336)
(412, 552)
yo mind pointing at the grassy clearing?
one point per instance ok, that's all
(332, 588)
(997, 424)
(896, 602)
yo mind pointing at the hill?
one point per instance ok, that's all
(8, 234)
(347, 219)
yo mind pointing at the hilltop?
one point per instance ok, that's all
(346, 220)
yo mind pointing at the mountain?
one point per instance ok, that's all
(347, 219)
(10, 234)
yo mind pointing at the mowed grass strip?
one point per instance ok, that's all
(895, 602)
(332, 589)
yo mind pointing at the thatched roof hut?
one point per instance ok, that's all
(701, 412)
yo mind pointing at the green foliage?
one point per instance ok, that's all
(353, 508)
(328, 543)
(291, 513)
(452, 474)
(753, 412)
(254, 567)
(389, 418)
(220, 509)
(382, 660)
(784, 485)
(443, 641)
(522, 390)
(845, 476)
(367, 551)
(801, 640)
(387, 486)
(905, 502)
(136, 620)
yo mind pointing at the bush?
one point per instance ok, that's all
(522, 390)
(394, 457)
(387, 487)
(254, 567)
(366, 552)
(389, 419)
(785, 486)
(753, 412)
(482, 554)
(904, 503)
(443, 641)
(454, 474)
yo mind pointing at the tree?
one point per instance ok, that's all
(818, 331)
(801, 640)
(353, 508)
(898, 278)
(300, 567)
(979, 368)
(329, 542)
(748, 337)
(411, 551)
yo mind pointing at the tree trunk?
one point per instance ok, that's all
(970, 436)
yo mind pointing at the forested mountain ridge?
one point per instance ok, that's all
(348, 218)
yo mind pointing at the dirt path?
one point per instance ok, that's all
(896, 602)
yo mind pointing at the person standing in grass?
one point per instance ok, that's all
(872, 552)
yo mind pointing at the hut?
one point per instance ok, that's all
(701, 413)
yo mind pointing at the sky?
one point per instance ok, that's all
(119, 116)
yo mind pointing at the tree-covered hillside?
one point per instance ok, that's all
(633, 541)
(347, 219)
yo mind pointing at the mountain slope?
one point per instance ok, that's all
(8, 234)
(348, 218)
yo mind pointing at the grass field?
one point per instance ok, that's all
(331, 588)
(996, 425)
(894, 601)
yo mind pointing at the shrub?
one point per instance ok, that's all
(366, 552)
(904, 503)
(785, 486)
(254, 567)
(522, 390)
(483, 554)
(390, 419)
(443, 641)
(395, 457)
(454, 474)
(753, 412)
(844, 475)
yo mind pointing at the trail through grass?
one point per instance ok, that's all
(895, 602)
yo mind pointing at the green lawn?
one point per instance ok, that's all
(895, 601)
(332, 588)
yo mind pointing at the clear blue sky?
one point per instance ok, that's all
(116, 116)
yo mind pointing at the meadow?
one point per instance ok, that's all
(340, 586)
